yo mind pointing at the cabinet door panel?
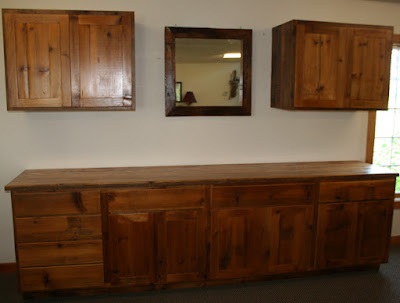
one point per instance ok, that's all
(102, 64)
(320, 57)
(37, 60)
(336, 235)
(374, 226)
(240, 242)
(292, 239)
(370, 52)
(130, 249)
(182, 247)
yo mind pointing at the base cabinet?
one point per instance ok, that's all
(77, 241)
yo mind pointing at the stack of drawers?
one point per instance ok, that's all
(58, 239)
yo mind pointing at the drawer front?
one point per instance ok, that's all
(59, 228)
(60, 253)
(356, 190)
(61, 277)
(262, 195)
(146, 199)
(55, 203)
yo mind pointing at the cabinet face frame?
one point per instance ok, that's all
(69, 57)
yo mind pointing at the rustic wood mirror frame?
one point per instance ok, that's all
(171, 33)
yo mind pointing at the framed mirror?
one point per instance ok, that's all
(207, 71)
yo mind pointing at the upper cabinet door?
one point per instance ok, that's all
(320, 66)
(37, 60)
(369, 67)
(102, 64)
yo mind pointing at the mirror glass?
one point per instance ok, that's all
(207, 71)
(210, 70)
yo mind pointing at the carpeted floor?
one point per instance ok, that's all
(363, 287)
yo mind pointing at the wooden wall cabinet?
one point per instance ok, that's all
(69, 60)
(90, 231)
(321, 65)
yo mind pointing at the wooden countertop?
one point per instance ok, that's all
(158, 176)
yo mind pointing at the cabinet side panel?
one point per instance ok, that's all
(282, 76)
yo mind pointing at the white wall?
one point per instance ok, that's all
(147, 137)
(209, 83)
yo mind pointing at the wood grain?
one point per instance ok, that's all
(159, 176)
(155, 199)
(356, 191)
(49, 68)
(56, 203)
(60, 253)
(245, 35)
(61, 277)
(262, 195)
(322, 65)
(63, 228)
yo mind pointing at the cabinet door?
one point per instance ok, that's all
(240, 242)
(374, 226)
(320, 66)
(37, 60)
(102, 61)
(336, 235)
(369, 67)
(130, 249)
(182, 246)
(292, 239)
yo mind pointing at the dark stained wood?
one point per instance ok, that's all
(183, 285)
(58, 228)
(181, 238)
(159, 176)
(155, 199)
(240, 243)
(292, 234)
(262, 195)
(49, 68)
(336, 235)
(60, 253)
(171, 33)
(374, 228)
(356, 190)
(283, 66)
(322, 65)
(61, 277)
(56, 203)
(190, 226)
(131, 248)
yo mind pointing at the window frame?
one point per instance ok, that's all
(369, 155)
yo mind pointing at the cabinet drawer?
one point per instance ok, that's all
(55, 203)
(356, 190)
(60, 253)
(61, 277)
(170, 198)
(60, 228)
(262, 195)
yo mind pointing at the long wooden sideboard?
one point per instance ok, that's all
(90, 231)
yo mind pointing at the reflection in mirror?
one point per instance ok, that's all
(208, 71)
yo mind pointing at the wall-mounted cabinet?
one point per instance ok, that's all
(321, 65)
(69, 60)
